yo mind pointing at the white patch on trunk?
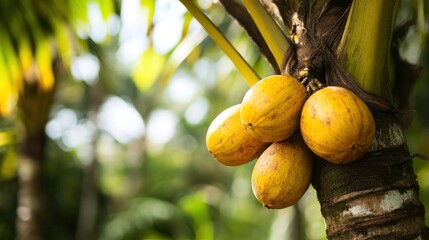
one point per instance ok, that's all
(383, 204)
(357, 211)
(390, 136)
(394, 200)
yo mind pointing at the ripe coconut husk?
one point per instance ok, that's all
(314, 45)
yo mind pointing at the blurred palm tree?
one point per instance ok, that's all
(38, 40)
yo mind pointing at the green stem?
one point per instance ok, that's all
(271, 32)
(242, 65)
(365, 46)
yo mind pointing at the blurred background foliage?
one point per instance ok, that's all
(126, 155)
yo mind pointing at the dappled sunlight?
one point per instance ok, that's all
(69, 130)
(62, 120)
(205, 4)
(181, 89)
(85, 68)
(130, 50)
(167, 33)
(106, 149)
(132, 36)
(197, 111)
(81, 133)
(205, 72)
(137, 84)
(121, 120)
(167, 8)
(161, 126)
(113, 24)
(98, 28)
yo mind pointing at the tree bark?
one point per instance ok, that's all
(34, 106)
(31, 195)
(30, 222)
(375, 197)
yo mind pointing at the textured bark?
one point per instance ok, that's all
(375, 197)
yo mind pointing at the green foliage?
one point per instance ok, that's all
(33, 34)
(159, 182)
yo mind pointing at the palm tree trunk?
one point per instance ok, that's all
(31, 209)
(34, 106)
(375, 197)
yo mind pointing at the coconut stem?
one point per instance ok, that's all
(364, 49)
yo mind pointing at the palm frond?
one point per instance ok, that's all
(241, 64)
(33, 33)
(242, 16)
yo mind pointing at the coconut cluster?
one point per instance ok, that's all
(280, 127)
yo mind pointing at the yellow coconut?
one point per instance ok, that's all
(229, 142)
(282, 173)
(271, 108)
(337, 125)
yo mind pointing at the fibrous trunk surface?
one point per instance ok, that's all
(375, 197)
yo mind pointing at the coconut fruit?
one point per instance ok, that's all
(229, 142)
(282, 173)
(337, 125)
(271, 108)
